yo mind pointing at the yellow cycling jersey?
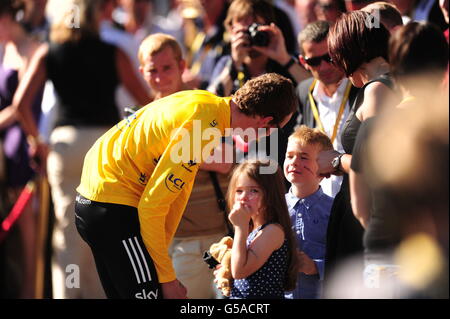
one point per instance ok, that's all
(149, 161)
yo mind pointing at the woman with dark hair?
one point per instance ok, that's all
(419, 56)
(360, 49)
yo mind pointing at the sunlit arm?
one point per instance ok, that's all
(245, 261)
(33, 80)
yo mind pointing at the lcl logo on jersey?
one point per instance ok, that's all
(173, 183)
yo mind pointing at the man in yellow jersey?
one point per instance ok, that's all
(162, 66)
(138, 176)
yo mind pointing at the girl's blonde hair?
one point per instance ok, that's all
(274, 207)
(75, 19)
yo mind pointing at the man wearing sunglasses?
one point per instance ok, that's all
(325, 99)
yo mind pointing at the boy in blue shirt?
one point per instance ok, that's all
(309, 208)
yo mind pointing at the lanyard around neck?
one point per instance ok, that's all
(195, 47)
(339, 115)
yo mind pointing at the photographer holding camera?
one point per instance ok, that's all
(257, 47)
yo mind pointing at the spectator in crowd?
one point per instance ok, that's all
(35, 19)
(138, 18)
(406, 8)
(19, 47)
(306, 12)
(361, 52)
(429, 10)
(248, 60)
(309, 208)
(289, 8)
(162, 64)
(325, 99)
(83, 116)
(385, 13)
(414, 194)
(283, 21)
(418, 55)
(329, 10)
(204, 39)
(111, 33)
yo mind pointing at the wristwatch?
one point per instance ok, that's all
(336, 162)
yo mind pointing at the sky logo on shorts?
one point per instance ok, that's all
(173, 183)
(144, 295)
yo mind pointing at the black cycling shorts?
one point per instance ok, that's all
(123, 263)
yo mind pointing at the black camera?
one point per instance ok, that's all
(210, 260)
(258, 38)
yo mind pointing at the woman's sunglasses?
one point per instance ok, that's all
(317, 60)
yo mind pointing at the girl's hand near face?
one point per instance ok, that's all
(241, 214)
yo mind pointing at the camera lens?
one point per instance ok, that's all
(258, 38)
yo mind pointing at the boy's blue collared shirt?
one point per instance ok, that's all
(309, 218)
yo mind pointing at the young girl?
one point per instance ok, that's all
(263, 258)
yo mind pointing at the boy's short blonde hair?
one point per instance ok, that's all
(311, 136)
(157, 42)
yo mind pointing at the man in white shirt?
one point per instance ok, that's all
(326, 98)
